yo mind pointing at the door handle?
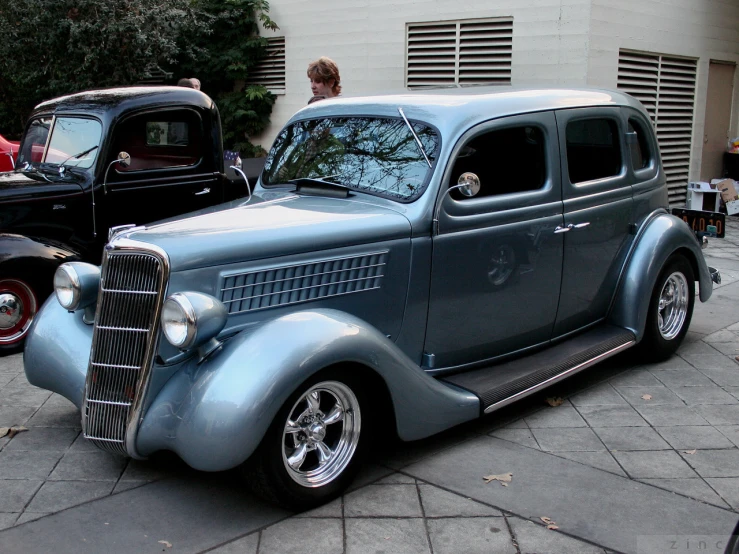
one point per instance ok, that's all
(206, 190)
(559, 229)
(578, 225)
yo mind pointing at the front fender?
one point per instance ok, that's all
(215, 414)
(661, 237)
(33, 259)
(58, 350)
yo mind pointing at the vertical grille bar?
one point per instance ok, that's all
(126, 325)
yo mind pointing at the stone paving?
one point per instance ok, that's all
(646, 429)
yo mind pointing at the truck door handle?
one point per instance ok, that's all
(559, 229)
(578, 225)
(206, 190)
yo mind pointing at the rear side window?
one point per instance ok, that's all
(593, 150)
(638, 145)
(160, 140)
(506, 161)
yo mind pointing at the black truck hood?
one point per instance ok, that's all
(17, 186)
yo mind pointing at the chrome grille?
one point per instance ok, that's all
(126, 324)
(280, 286)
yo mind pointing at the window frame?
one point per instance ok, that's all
(605, 184)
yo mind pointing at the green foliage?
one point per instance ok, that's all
(53, 47)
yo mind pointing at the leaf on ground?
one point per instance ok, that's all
(552, 526)
(546, 519)
(503, 478)
(166, 543)
(504, 484)
(555, 401)
(690, 451)
(11, 431)
(646, 396)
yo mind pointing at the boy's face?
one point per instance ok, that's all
(320, 88)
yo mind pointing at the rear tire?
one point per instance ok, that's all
(18, 308)
(670, 309)
(315, 445)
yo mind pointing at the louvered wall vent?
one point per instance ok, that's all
(270, 71)
(666, 87)
(280, 286)
(459, 53)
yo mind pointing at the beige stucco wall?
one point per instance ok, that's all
(367, 40)
(555, 42)
(702, 29)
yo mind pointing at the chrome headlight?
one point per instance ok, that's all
(190, 319)
(76, 285)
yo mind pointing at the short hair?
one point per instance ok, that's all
(195, 83)
(185, 82)
(323, 70)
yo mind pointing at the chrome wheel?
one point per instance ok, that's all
(321, 434)
(672, 308)
(17, 310)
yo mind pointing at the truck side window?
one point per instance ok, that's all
(35, 141)
(506, 161)
(160, 141)
(593, 150)
(640, 155)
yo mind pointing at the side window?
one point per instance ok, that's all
(35, 141)
(638, 145)
(506, 161)
(593, 150)
(160, 140)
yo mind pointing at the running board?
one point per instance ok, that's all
(502, 384)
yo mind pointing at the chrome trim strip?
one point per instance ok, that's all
(131, 329)
(108, 402)
(559, 377)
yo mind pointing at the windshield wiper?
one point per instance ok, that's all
(320, 186)
(76, 157)
(418, 140)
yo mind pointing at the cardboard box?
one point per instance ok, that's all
(732, 207)
(728, 190)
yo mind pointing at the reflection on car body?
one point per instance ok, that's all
(406, 263)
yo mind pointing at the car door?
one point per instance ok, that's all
(497, 257)
(598, 211)
(171, 171)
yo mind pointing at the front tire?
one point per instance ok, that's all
(18, 308)
(315, 445)
(670, 309)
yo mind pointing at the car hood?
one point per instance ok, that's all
(16, 186)
(273, 225)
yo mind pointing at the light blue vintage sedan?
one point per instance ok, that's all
(405, 263)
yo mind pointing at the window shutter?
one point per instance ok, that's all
(459, 53)
(666, 87)
(270, 71)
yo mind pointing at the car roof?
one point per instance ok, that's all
(445, 107)
(122, 99)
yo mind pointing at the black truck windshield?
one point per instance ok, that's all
(375, 155)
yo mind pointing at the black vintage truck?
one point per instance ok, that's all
(90, 162)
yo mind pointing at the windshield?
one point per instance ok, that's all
(71, 136)
(375, 155)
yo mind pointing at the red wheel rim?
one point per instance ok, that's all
(17, 309)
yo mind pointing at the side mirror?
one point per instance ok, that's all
(124, 158)
(469, 184)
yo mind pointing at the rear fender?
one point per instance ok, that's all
(214, 414)
(661, 237)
